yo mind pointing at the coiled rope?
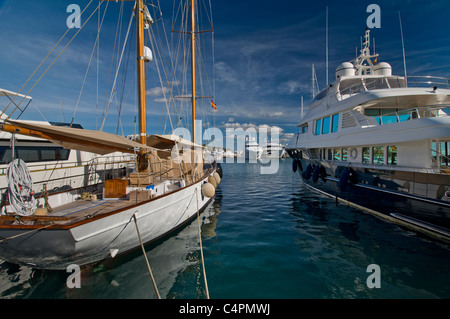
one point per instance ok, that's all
(21, 196)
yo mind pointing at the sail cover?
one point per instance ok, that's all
(167, 142)
(97, 142)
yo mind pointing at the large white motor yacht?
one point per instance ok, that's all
(380, 142)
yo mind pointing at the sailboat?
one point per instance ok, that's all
(83, 226)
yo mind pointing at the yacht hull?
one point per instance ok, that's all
(93, 241)
(416, 200)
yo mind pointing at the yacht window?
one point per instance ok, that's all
(392, 155)
(330, 154)
(378, 155)
(335, 123)
(27, 154)
(326, 125)
(344, 154)
(321, 94)
(337, 154)
(366, 155)
(304, 129)
(441, 154)
(5, 155)
(318, 126)
(386, 116)
(405, 115)
(34, 154)
(389, 116)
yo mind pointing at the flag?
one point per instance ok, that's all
(213, 105)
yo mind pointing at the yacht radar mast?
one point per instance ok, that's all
(365, 62)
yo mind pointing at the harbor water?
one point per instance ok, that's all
(264, 237)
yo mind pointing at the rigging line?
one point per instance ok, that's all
(57, 57)
(152, 40)
(202, 86)
(40, 112)
(180, 61)
(98, 57)
(213, 52)
(157, 53)
(117, 71)
(112, 57)
(120, 105)
(171, 84)
(89, 65)
(42, 62)
(167, 43)
(119, 122)
(403, 48)
(182, 58)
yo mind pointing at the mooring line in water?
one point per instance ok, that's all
(201, 246)
(145, 256)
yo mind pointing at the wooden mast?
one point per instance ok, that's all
(193, 67)
(141, 71)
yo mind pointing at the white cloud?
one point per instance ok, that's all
(293, 87)
(226, 73)
(161, 100)
(157, 91)
(246, 126)
(277, 114)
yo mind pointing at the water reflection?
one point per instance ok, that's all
(175, 263)
(340, 242)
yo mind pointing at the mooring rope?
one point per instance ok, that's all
(20, 184)
(145, 256)
(201, 246)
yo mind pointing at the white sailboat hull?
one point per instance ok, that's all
(93, 241)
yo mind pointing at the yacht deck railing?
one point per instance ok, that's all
(392, 82)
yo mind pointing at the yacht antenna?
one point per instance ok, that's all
(301, 111)
(403, 47)
(326, 53)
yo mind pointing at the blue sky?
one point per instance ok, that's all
(263, 53)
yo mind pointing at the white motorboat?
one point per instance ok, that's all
(54, 168)
(252, 151)
(272, 150)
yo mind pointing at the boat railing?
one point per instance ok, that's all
(441, 160)
(405, 168)
(35, 167)
(75, 173)
(364, 84)
(428, 81)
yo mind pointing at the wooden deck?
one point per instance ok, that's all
(74, 212)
